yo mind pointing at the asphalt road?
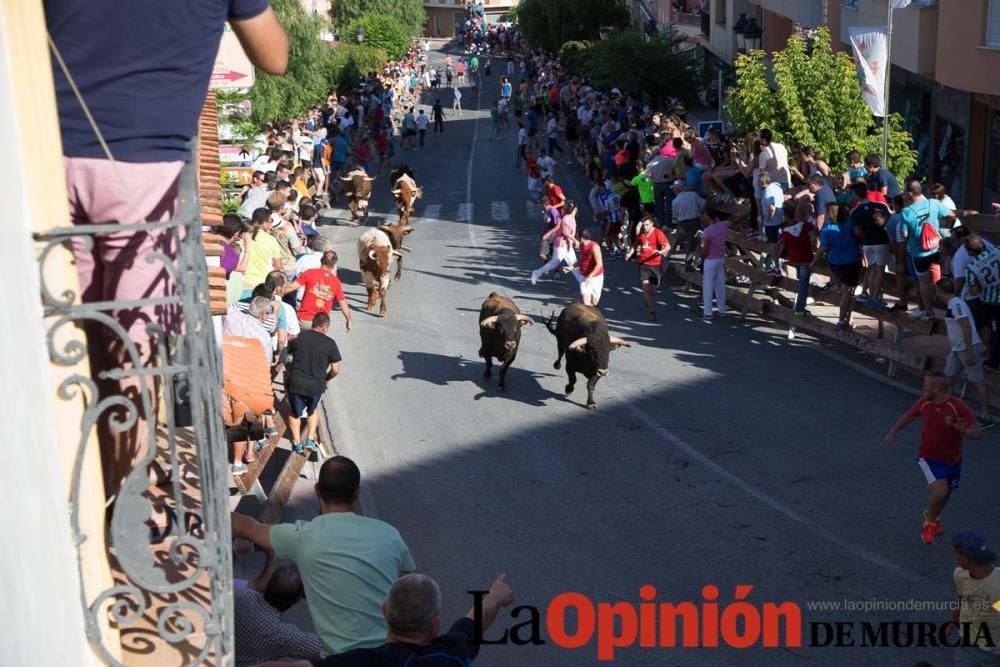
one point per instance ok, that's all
(720, 453)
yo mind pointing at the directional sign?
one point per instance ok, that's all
(704, 127)
(232, 67)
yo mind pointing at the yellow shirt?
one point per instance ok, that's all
(263, 251)
(300, 187)
(976, 597)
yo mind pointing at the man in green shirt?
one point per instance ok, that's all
(646, 190)
(347, 562)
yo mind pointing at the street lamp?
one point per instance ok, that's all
(738, 28)
(361, 35)
(752, 35)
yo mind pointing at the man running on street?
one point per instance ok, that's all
(946, 420)
(651, 245)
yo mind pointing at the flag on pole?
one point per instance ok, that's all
(871, 54)
(900, 4)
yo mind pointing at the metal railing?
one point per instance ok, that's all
(172, 590)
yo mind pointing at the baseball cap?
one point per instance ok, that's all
(972, 543)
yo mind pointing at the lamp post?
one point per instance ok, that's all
(361, 35)
(738, 29)
(752, 35)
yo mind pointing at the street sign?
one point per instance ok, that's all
(704, 127)
(232, 66)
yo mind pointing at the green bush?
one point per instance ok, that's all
(408, 14)
(352, 61)
(382, 32)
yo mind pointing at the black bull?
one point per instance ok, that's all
(582, 335)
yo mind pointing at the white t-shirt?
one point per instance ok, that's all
(547, 165)
(458, 93)
(958, 310)
(552, 128)
(960, 261)
(522, 137)
(774, 160)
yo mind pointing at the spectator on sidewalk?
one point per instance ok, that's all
(687, 209)
(315, 360)
(348, 562)
(868, 219)
(839, 245)
(251, 324)
(982, 279)
(259, 633)
(919, 228)
(713, 251)
(977, 583)
(412, 615)
(946, 421)
(967, 352)
(797, 238)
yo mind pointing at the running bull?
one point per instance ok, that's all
(500, 322)
(358, 191)
(375, 255)
(582, 335)
(405, 192)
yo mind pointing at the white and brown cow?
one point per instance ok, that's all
(358, 190)
(405, 192)
(375, 254)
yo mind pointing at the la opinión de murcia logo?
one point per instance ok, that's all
(572, 621)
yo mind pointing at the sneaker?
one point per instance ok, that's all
(843, 325)
(865, 296)
(810, 301)
(802, 313)
(827, 287)
(928, 532)
(920, 315)
(238, 469)
(311, 445)
(878, 303)
(534, 278)
(298, 448)
(986, 422)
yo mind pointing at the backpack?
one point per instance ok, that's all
(930, 239)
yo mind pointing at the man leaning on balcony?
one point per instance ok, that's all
(136, 75)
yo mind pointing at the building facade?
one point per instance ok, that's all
(442, 15)
(944, 79)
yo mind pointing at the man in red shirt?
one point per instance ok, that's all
(320, 288)
(589, 269)
(651, 245)
(946, 419)
(555, 194)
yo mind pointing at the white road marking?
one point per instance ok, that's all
(464, 212)
(499, 211)
(773, 503)
(431, 213)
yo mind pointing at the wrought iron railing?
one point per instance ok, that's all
(172, 585)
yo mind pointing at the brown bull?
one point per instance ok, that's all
(396, 234)
(359, 191)
(375, 255)
(405, 192)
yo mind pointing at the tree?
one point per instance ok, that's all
(352, 61)
(382, 31)
(307, 79)
(816, 101)
(657, 67)
(548, 24)
(409, 14)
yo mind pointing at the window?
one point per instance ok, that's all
(719, 12)
(852, 4)
(993, 24)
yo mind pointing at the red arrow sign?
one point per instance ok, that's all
(229, 76)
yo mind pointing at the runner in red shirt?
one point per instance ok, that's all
(589, 269)
(651, 245)
(946, 420)
(555, 194)
(320, 288)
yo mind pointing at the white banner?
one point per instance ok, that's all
(871, 55)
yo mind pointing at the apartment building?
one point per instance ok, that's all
(945, 74)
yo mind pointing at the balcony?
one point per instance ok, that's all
(914, 32)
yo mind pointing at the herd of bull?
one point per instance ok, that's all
(581, 331)
(379, 246)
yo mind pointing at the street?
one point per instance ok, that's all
(720, 452)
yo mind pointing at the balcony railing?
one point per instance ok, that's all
(168, 542)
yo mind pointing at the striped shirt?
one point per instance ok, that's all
(984, 273)
(611, 203)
